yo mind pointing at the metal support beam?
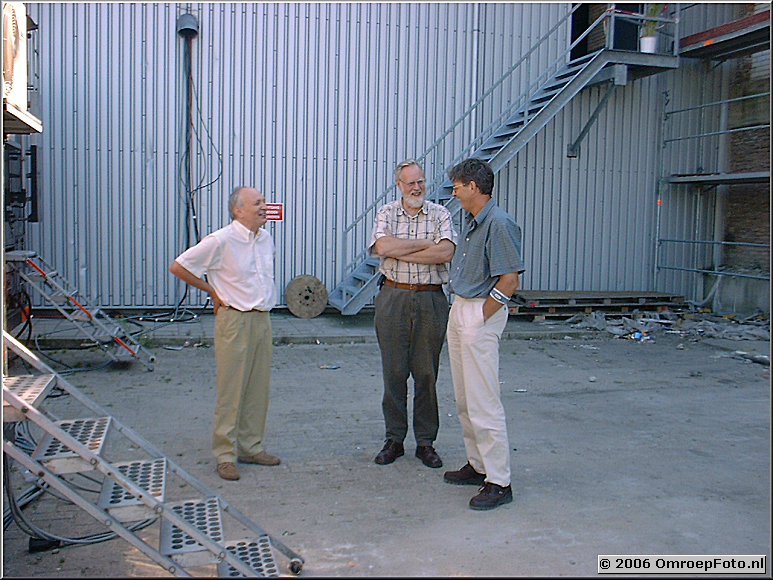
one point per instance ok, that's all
(573, 150)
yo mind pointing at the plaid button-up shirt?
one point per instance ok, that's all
(432, 222)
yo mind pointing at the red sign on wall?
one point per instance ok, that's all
(275, 212)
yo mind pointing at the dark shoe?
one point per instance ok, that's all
(491, 495)
(465, 476)
(391, 451)
(428, 456)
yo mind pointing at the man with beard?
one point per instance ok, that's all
(415, 240)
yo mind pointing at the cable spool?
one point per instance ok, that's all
(306, 296)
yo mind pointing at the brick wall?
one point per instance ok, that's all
(747, 207)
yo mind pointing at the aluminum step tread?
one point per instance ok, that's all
(31, 389)
(256, 553)
(205, 515)
(56, 456)
(149, 475)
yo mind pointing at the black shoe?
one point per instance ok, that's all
(465, 476)
(428, 456)
(491, 495)
(391, 451)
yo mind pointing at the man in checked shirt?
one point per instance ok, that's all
(415, 240)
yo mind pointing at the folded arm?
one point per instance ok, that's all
(416, 251)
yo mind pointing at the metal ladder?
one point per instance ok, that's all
(192, 528)
(91, 320)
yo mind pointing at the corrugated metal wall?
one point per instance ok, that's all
(314, 104)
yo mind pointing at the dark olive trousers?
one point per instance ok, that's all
(411, 328)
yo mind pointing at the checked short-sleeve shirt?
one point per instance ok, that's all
(432, 222)
(490, 245)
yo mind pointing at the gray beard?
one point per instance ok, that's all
(414, 202)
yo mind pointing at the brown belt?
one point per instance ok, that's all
(417, 287)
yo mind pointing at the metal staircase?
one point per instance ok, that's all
(136, 491)
(514, 128)
(89, 319)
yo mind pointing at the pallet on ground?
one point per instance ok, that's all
(541, 304)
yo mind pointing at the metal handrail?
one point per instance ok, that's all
(729, 273)
(715, 272)
(715, 103)
(714, 242)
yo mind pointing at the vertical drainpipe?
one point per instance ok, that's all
(188, 29)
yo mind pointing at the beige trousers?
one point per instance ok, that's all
(243, 348)
(473, 349)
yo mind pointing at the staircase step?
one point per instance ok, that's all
(60, 459)
(149, 475)
(256, 553)
(557, 84)
(41, 277)
(364, 276)
(334, 299)
(32, 389)
(19, 255)
(182, 548)
(59, 297)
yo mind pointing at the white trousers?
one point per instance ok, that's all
(473, 347)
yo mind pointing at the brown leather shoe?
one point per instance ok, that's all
(261, 458)
(491, 495)
(227, 470)
(428, 456)
(391, 451)
(465, 476)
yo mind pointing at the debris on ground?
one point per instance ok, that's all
(758, 358)
(643, 328)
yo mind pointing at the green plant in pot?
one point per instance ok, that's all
(649, 27)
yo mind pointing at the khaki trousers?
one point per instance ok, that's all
(243, 348)
(473, 349)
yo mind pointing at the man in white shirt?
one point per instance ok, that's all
(238, 261)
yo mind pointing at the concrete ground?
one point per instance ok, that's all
(620, 446)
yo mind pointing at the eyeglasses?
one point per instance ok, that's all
(412, 184)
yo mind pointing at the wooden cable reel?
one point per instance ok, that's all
(306, 296)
